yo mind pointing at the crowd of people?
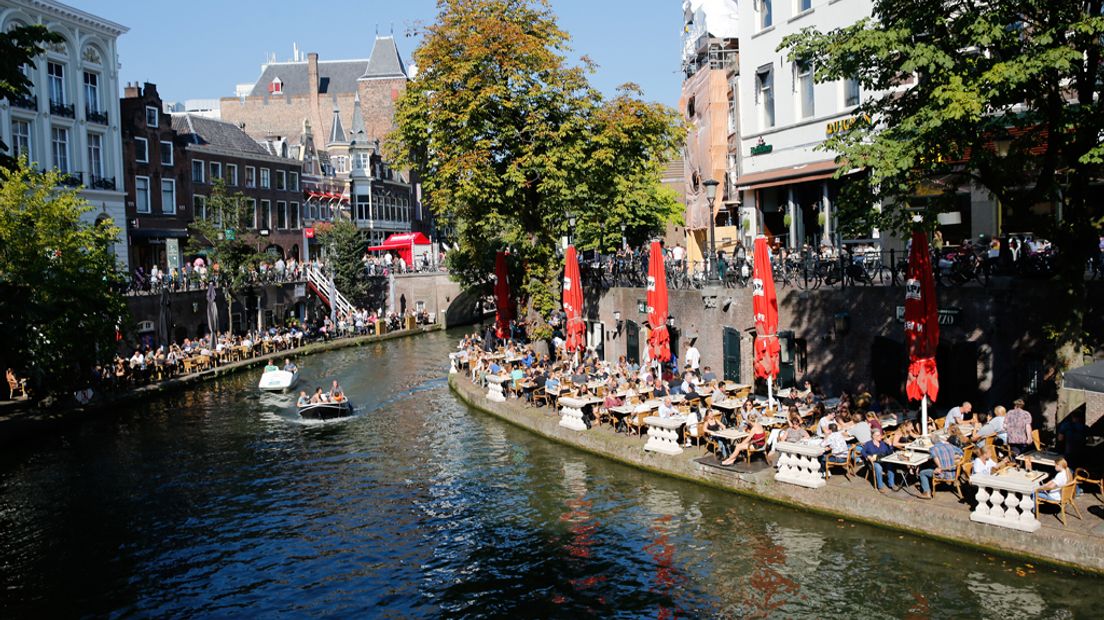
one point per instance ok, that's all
(387, 263)
(197, 274)
(857, 431)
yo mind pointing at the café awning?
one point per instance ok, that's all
(401, 241)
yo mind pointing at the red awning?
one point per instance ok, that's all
(401, 241)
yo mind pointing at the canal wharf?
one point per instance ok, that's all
(1079, 545)
(18, 419)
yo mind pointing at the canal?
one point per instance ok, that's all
(217, 501)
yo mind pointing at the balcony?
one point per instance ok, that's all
(25, 102)
(63, 109)
(95, 116)
(72, 179)
(102, 183)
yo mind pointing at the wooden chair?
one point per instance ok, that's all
(636, 421)
(189, 365)
(936, 480)
(696, 433)
(1068, 492)
(16, 386)
(1035, 439)
(763, 450)
(605, 417)
(847, 464)
(939, 422)
(1082, 476)
(540, 397)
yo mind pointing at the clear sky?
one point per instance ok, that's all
(202, 48)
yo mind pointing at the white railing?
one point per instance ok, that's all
(323, 285)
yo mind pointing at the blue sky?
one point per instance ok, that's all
(202, 48)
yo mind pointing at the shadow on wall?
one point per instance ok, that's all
(463, 310)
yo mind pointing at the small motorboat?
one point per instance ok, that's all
(278, 380)
(327, 410)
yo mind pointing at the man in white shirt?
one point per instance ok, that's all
(957, 415)
(666, 409)
(693, 356)
(837, 447)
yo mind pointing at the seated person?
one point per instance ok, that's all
(944, 457)
(666, 409)
(860, 428)
(825, 423)
(304, 400)
(318, 396)
(290, 367)
(906, 434)
(993, 426)
(985, 464)
(757, 438)
(270, 367)
(708, 376)
(660, 389)
(837, 447)
(552, 385)
(873, 451)
(958, 415)
(1052, 489)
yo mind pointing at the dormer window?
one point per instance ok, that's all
(276, 86)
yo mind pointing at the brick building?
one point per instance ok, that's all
(158, 188)
(171, 162)
(332, 115)
(270, 184)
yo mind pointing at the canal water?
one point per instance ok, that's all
(217, 502)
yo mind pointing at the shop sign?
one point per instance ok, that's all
(172, 253)
(230, 234)
(761, 149)
(308, 232)
(844, 125)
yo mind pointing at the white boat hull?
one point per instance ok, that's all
(278, 380)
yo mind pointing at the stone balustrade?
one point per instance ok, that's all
(571, 413)
(799, 464)
(663, 435)
(494, 388)
(1006, 501)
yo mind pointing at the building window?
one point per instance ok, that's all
(166, 153)
(141, 150)
(341, 163)
(804, 5)
(266, 180)
(232, 175)
(198, 171)
(199, 207)
(266, 214)
(141, 195)
(293, 216)
(56, 73)
(152, 117)
(764, 95)
(804, 73)
(168, 196)
(362, 161)
(294, 182)
(850, 93)
(250, 176)
(95, 156)
(216, 171)
(281, 180)
(60, 138)
(91, 92)
(281, 215)
(21, 139)
(249, 214)
(766, 14)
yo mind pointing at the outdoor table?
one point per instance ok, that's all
(889, 421)
(730, 435)
(776, 420)
(494, 387)
(908, 460)
(620, 413)
(924, 444)
(1040, 457)
(799, 463)
(663, 434)
(729, 386)
(1007, 499)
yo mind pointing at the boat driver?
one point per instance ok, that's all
(336, 395)
(289, 367)
(270, 367)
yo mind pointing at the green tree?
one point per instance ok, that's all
(508, 138)
(60, 301)
(225, 237)
(18, 47)
(345, 247)
(1004, 95)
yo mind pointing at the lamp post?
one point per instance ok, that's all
(710, 264)
(624, 241)
(570, 227)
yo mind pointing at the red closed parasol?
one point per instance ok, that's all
(502, 297)
(573, 303)
(764, 304)
(921, 326)
(659, 341)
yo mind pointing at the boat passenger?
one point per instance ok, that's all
(336, 395)
(270, 367)
(290, 367)
(318, 396)
(304, 400)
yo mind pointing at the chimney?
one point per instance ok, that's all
(131, 91)
(312, 72)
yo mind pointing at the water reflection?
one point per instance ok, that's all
(215, 499)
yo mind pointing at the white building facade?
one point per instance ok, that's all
(71, 120)
(785, 184)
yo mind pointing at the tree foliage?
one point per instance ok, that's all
(509, 137)
(60, 303)
(19, 46)
(344, 247)
(1004, 95)
(225, 238)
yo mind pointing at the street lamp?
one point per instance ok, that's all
(624, 241)
(570, 227)
(711, 196)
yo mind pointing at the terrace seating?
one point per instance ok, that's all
(1068, 492)
(16, 385)
(1083, 477)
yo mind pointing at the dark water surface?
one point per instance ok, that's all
(217, 502)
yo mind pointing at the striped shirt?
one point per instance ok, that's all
(945, 456)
